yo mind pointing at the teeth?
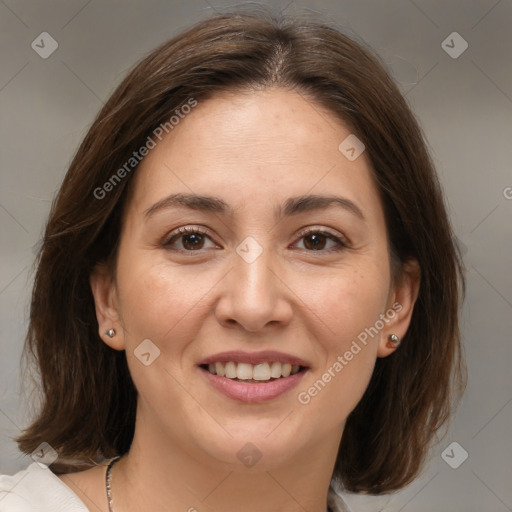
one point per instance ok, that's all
(261, 372)
(275, 370)
(219, 369)
(231, 370)
(286, 369)
(243, 371)
(246, 371)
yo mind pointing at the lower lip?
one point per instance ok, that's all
(252, 392)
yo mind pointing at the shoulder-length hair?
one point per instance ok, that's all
(88, 397)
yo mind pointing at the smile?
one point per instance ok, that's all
(253, 372)
(253, 377)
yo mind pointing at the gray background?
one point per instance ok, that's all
(463, 104)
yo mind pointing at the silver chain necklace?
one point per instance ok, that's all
(108, 485)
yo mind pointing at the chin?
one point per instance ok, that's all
(254, 447)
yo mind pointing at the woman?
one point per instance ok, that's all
(248, 290)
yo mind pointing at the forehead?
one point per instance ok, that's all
(259, 147)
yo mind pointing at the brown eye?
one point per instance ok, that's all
(318, 241)
(315, 241)
(192, 239)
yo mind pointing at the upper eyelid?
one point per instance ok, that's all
(312, 229)
(184, 230)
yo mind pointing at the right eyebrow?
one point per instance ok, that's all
(191, 201)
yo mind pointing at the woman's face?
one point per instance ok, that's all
(271, 280)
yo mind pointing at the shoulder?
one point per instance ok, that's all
(37, 489)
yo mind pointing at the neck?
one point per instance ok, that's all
(159, 474)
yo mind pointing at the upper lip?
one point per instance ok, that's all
(265, 356)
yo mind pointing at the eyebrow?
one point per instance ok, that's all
(292, 206)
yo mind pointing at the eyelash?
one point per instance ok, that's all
(183, 231)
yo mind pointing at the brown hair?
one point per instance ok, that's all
(89, 399)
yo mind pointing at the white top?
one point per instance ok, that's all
(37, 489)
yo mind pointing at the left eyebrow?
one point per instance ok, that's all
(306, 203)
(292, 206)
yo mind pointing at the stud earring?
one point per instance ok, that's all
(110, 333)
(393, 341)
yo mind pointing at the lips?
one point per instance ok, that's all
(253, 376)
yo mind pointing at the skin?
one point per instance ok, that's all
(254, 150)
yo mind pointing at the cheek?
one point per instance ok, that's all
(347, 300)
(350, 305)
(160, 301)
(166, 305)
(332, 395)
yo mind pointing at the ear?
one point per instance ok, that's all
(400, 306)
(105, 299)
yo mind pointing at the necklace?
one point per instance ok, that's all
(108, 483)
(108, 478)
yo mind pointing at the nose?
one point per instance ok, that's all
(254, 295)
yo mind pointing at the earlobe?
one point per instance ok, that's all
(393, 341)
(402, 300)
(104, 293)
